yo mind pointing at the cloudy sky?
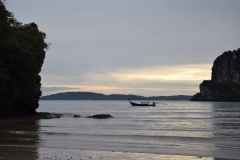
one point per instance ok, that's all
(144, 47)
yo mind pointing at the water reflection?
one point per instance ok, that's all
(19, 139)
(226, 129)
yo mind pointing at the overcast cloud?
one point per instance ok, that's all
(146, 47)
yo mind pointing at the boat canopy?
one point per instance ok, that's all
(144, 102)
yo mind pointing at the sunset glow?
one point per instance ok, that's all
(159, 80)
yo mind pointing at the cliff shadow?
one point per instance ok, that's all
(19, 139)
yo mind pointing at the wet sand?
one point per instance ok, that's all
(17, 152)
(20, 140)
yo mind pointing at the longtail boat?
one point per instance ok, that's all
(142, 103)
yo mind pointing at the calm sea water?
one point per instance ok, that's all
(210, 129)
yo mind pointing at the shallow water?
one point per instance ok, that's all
(201, 129)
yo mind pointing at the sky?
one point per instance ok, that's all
(142, 47)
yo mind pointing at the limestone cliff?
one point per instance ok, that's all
(226, 68)
(21, 58)
(225, 82)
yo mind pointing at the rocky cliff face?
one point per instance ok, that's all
(226, 68)
(21, 58)
(225, 82)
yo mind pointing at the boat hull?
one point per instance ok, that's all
(137, 104)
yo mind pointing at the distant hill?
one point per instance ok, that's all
(99, 96)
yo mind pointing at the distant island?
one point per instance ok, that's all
(99, 96)
(225, 82)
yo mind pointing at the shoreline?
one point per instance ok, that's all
(36, 116)
(48, 115)
(27, 153)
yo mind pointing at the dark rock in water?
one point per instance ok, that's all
(54, 116)
(100, 116)
(21, 58)
(45, 115)
(225, 82)
(76, 116)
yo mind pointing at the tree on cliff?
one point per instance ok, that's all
(21, 58)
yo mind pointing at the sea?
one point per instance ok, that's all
(170, 130)
(202, 129)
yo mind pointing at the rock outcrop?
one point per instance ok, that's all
(21, 58)
(100, 116)
(225, 82)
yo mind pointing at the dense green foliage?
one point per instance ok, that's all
(21, 58)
